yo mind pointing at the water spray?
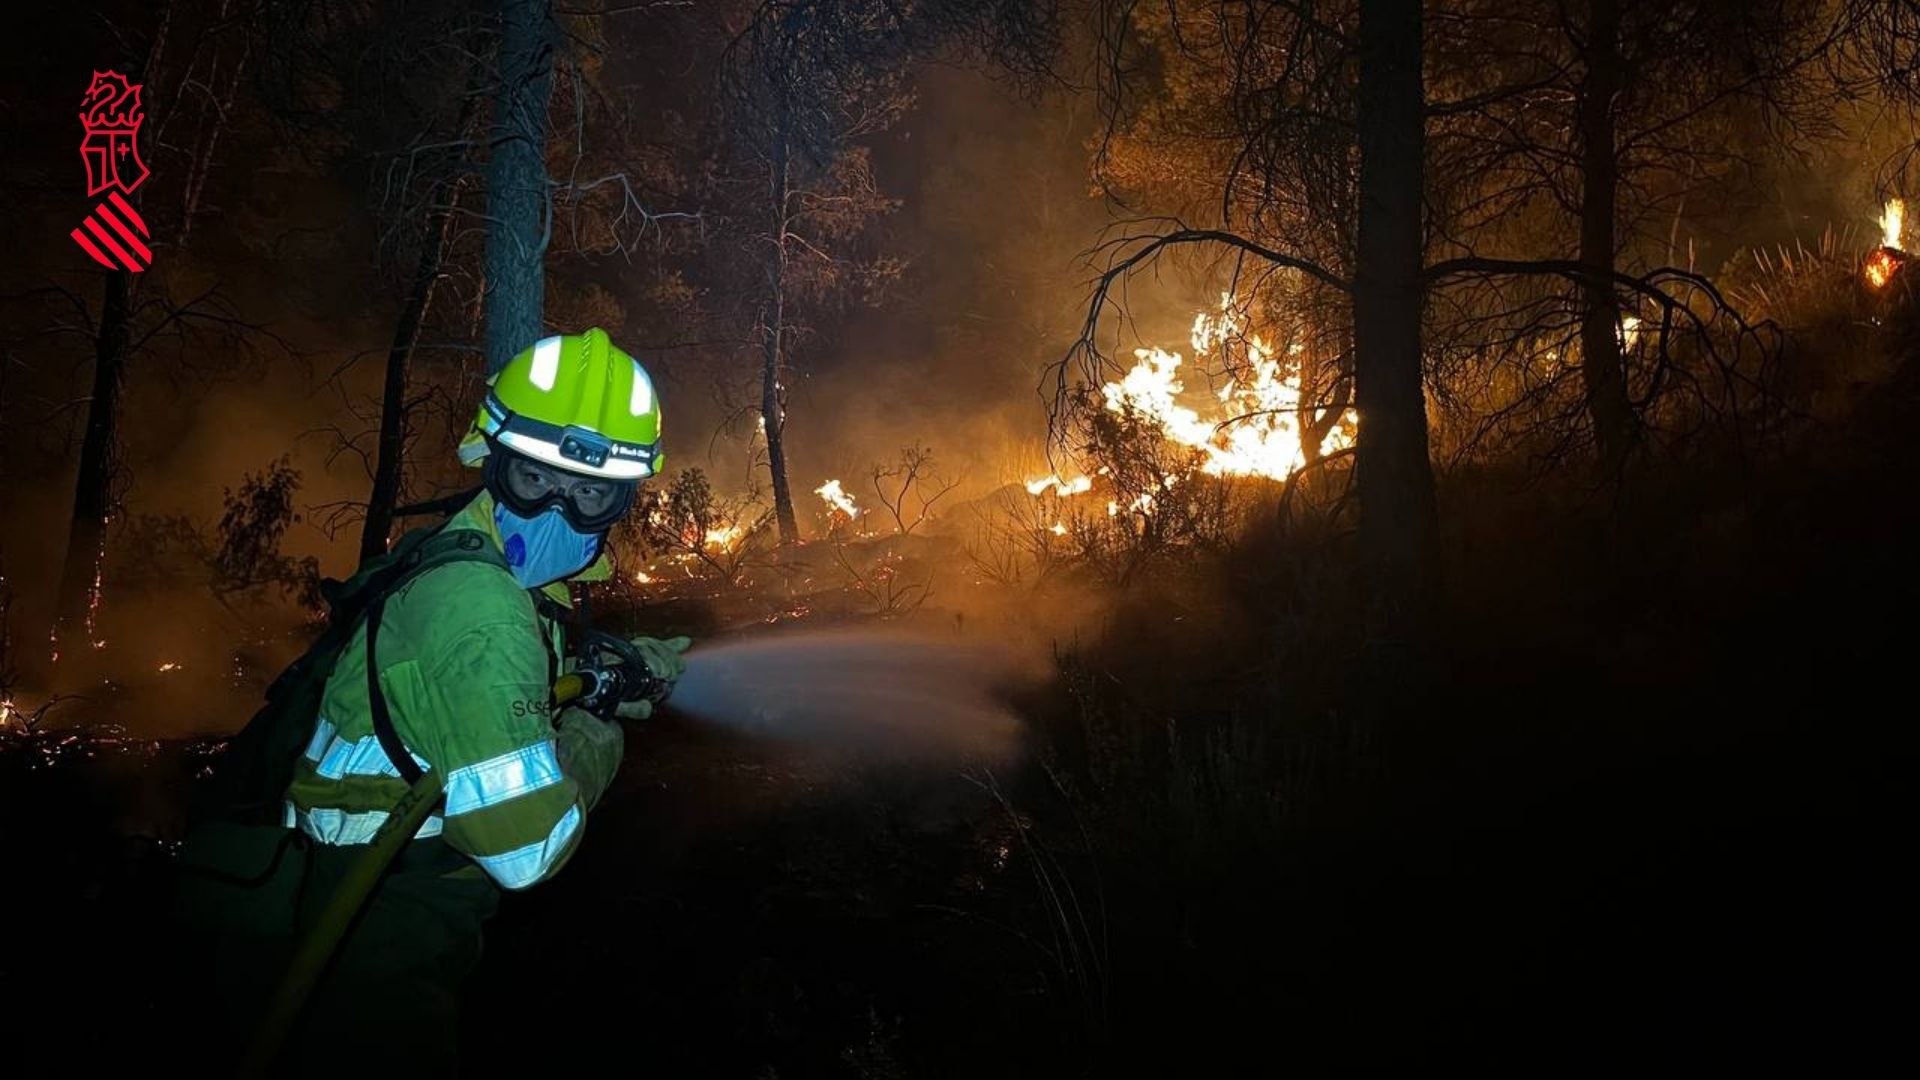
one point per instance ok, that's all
(867, 694)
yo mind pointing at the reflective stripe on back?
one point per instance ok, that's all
(339, 827)
(336, 758)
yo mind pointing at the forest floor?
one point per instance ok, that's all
(1650, 813)
(1704, 868)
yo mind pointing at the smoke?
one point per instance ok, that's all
(868, 694)
(995, 213)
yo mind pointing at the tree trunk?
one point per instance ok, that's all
(92, 494)
(772, 408)
(517, 196)
(388, 466)
(1324, 398)
(1602, 373)
(1399, 534)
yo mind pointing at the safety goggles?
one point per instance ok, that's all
(528, 487)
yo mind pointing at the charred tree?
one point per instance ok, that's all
(93, 487)
(1399, 534)
(803, 83)
(773, 408)
(1602, 370)
(518, 199)
(211, 63)
(389, 464)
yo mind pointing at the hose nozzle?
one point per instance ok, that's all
(612, 672)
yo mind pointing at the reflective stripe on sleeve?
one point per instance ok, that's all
(497, 779)
(521, 867)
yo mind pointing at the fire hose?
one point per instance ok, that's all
(611, 671)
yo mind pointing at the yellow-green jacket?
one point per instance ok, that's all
(467, 664)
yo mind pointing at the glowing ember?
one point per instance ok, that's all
(837, 499)
(1062, 488)
(169, 666)
(93, 591)
(1256, 429)
(1880, 267)
(641, 577)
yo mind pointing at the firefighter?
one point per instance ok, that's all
(466, 658)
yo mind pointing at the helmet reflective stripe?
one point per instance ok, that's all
(546, 363)
(614, 468)
(642, 401)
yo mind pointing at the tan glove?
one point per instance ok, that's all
(664, 662)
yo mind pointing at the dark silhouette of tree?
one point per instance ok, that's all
(803, 84)
(192, 63)
(1266, 120)
(1399, 532)
(415, 101)
(1614, 113)
(519, 208)
(1321, 186)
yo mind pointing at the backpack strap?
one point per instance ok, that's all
(458, 545)
(390, 743)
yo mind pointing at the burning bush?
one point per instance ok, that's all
(685, 526)
(1160, 498)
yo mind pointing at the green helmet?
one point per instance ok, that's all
(575, 402)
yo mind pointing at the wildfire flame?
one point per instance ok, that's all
(837, 499)
(723, 538)
(1062, 488)
(1256, 430)
(1888, 256)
